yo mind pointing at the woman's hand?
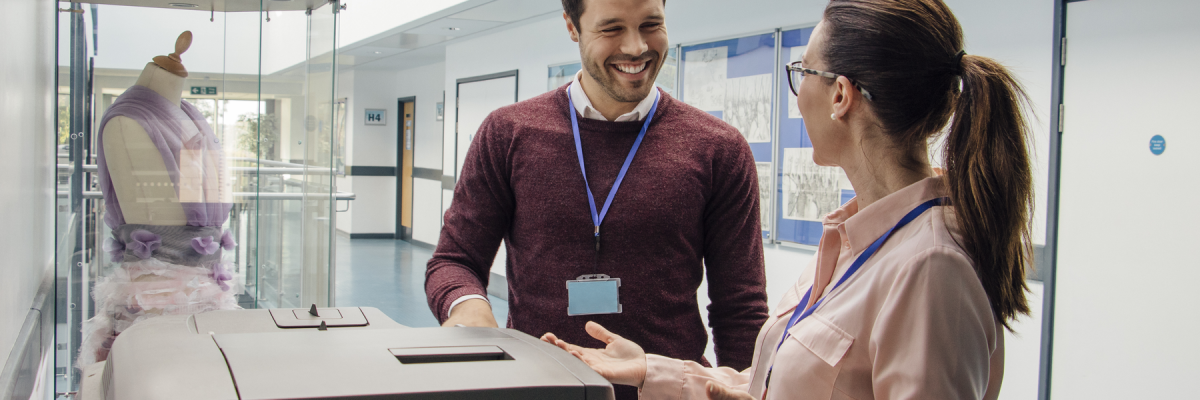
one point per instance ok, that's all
(717, 391)
(621, 361)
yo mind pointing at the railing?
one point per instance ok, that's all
(240, 195)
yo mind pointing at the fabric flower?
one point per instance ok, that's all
(115, 249)
(144, 243)
(227, 241)
(221, 274)
(205, 245)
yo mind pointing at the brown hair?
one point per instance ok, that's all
(574, 9)
(908, 54)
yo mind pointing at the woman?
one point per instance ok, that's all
(915, 278)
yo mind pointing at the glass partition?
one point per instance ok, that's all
(217, 147)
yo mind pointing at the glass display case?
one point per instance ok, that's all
(230, 198)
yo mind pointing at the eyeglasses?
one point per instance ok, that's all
(796, 72)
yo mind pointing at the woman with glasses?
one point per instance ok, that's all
(915, 279)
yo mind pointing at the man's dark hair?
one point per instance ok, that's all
(574, 9)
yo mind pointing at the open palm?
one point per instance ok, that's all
(621, 361)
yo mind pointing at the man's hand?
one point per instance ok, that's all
(621, 361)
(717, 391)
(473, 312)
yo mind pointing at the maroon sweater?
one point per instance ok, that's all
(689, 200)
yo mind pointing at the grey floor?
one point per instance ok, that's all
(389, 275)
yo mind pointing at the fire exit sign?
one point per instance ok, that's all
(204, 90)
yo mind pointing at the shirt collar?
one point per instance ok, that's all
(584, 105)
(860, 228)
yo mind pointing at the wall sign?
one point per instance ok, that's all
(375, 117)
(440, 111)
(204, 90)
(1158, 145)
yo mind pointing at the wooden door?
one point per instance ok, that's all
(407, 133)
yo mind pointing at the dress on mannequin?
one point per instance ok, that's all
(161, 171)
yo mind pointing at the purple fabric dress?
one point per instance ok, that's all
(163, 269)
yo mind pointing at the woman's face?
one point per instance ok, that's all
(815, 100)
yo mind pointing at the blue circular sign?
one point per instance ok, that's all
(1158, 145)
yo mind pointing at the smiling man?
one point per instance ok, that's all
(614, 201)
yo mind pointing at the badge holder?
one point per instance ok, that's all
(593, 294)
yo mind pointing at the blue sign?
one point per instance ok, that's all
(1158, 145)
(375, 117)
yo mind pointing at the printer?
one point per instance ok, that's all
(328, 353)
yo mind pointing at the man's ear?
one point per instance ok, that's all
(571, 27)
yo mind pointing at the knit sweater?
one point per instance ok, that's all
(689, 200)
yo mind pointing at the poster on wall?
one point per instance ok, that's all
(764, 193)
(794, 54)
(733, 80)
(810, 191)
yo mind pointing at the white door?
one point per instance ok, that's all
(1127, 308)
(475, 101)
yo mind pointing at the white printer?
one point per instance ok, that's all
(346, 352)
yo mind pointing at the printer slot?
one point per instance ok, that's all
(427, 355)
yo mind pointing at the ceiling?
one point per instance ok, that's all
(423, 41)
(218, 5)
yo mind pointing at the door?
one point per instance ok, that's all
(1126, 296)
(404, 180)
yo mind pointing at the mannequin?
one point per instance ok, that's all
(161, 173)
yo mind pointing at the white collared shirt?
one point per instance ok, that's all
(584, 106)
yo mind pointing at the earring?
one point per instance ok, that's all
(833, 116)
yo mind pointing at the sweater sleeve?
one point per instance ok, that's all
(476, 222)
(734, 255)
(670, 379)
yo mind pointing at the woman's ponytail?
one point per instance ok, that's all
(989, 178)
(908, 53)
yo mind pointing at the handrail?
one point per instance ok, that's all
(92, 168)
(243, 195)
(266, 162)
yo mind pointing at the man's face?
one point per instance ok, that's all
(621, 45)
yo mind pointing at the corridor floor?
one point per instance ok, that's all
(389, 275)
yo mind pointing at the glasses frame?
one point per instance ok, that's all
(797, 67)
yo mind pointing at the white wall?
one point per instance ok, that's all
(374, 210)
(26, 158)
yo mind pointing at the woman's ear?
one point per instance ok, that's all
(845, 97)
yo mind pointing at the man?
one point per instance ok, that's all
(687, 199)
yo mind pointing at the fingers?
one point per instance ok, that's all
(600, 333)
(717, 391)
(554, 340)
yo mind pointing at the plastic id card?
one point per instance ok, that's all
(593, 294)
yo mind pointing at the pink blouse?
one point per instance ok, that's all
(912, 323)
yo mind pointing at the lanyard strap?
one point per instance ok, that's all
(802, 313)
(597, 218)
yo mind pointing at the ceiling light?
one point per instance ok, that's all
(184, 5)
(453, 29)
(379, 52)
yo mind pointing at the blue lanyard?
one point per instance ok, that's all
(597, 218)
(802, 313)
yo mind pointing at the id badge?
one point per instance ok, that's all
(593, 294)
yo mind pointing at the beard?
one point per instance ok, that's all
(611, 85)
